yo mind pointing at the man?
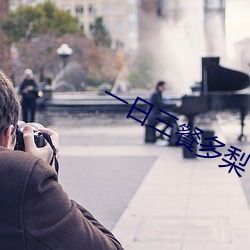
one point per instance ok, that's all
(156, 100)
(35, 212)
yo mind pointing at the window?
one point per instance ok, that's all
(119, 27)
(119, 9)
(119, 44)
(92, 10)
(91, 27)
(106, 9)
(82, 26)
(79, 10)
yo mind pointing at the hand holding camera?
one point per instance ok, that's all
(41, 142)
(38, 137)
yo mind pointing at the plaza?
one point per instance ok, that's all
(149, 195)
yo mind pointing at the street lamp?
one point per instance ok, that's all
(64, 51)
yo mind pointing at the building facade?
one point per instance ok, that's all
(120, 18)
(208, 13)
(147, 10)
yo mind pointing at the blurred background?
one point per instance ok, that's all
(77, 49)
(125, 44)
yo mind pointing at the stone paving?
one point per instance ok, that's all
(186, 205)
(102, 167)
(154, 199)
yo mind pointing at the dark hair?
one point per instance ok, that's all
(159, 84)
(9, 104)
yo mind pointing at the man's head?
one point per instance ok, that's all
(9, 112)
(161, 86)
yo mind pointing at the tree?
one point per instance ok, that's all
(141, 74)
(42, 18)
(96, 64)
(100, 33)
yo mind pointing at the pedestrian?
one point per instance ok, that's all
(29, 92)
(157, 101)
(35, 212)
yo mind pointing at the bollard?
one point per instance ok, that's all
(189, 155)
(206, 134)
(150, 134)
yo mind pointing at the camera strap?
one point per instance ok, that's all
(48, 139)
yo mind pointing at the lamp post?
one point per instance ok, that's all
(64, 51)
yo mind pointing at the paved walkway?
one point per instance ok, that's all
(186, 204)
(181, 204)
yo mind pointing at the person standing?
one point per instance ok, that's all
(29, 92)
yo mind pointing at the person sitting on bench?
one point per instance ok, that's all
(157, 101)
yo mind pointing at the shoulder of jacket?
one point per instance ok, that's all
(18, 161)
(155, 93)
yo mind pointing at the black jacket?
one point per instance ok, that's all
(32, 93)
(156, 100)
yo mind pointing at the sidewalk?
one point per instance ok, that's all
(186, 204)
(180, 204)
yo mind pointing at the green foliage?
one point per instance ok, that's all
(93, 80)
(141, 74)
(100, 33)
(42, 18)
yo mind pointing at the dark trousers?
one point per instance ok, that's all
(29, 109)
(168, 119)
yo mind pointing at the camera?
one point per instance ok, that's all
(38, 137)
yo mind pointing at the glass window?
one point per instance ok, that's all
(92, 10)
(119, 9)
(91, 27)
(106, 9)
(119, 26)
(119, 44)
(82, 26)
(79, 10)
